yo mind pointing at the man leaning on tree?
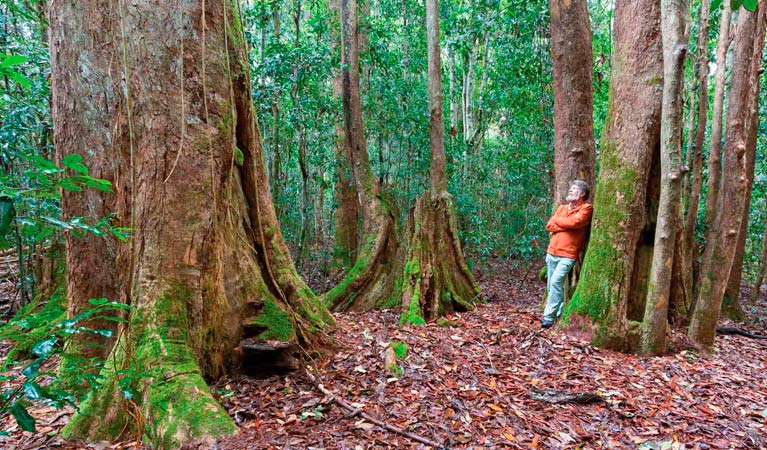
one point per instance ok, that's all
(568, 227)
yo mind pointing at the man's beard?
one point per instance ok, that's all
(571, 198)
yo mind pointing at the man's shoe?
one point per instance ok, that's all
(546, 324)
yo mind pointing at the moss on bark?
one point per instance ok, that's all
(601, 294)
(375, 279)
(152, 384)
(437, 280)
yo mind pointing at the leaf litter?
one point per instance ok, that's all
(482, 382)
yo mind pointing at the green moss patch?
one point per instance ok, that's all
(278, 323)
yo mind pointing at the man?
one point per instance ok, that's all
(568, 227)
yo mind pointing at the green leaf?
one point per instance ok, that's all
(105, 333)
(750, 5)
(715, 4)
(735, 4)
(7, 214)
(45, 166)
(101, 185)
(57, 222)
(11, 60)
(19, 78)
(33, 391)
(25, 421)
(75, 162)
(44, 348)
(98, 301)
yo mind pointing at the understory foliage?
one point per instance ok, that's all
(501, 172)
(499, 168)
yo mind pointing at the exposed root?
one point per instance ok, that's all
(374, 280)
(437, 279)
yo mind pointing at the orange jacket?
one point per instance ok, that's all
(568, 230)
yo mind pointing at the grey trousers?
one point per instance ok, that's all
(557, 269)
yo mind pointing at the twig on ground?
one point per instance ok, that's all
(492, 370)
(357, 411)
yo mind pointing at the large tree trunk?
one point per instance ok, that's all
(574, 145)
(437, 279)
(720, 250)
(372, 280)
(630, 138)
(696, 156)
(674, 18)
(164, 98)
(348, 210)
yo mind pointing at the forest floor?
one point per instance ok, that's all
(487, 382)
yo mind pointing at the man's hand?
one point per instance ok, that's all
(578, 220)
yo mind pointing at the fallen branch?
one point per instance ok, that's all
(358, 412)
(738, 332)
(552, 396)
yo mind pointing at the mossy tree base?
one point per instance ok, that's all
(374, 280)
(152, 385)
(437, 280)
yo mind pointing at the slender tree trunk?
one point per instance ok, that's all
(276, 186)
(319, 214)
(163, 100)
(574, 146)
(306, 228)
(453, 102)
(674, 21)
(348, 210)
(437, 279)
(630, 138)
(696, 150)
(760, 273)
(714, 154)
(306, 202)
(372, 280)
(731, 306)
(720, 250)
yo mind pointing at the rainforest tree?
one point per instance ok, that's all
(437, 279)
(161, 107)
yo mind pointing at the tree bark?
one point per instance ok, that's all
(453, 102)
(630, 138)
(437, 279)
(720, 250)
(696, 150)
(731, 305)
(348, 210)
(276, 175)
(760, 273)
(94, 136)
(714, 154)
(571, 54)
(163, 99)
(372, 280)
(303, 166)
(674, 21)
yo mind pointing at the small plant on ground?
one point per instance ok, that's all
(37, 338)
